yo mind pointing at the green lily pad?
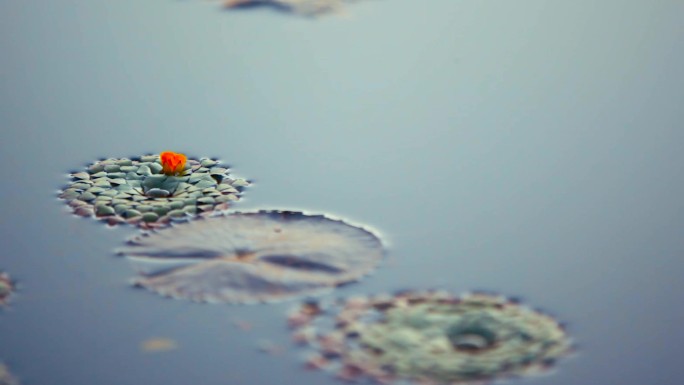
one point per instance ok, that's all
(430, 337)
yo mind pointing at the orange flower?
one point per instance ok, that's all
(172, 163)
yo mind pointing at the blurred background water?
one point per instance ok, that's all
(532, 148)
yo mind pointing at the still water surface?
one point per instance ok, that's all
(531, 148)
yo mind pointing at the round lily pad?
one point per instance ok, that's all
(135, 191)
(252, 257)
(302, 7)
(6, 289)
(429, 337)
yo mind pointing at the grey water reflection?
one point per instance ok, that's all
(528, 148)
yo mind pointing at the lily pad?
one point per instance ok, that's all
(137, 184)
(253, 257)
(429, 337)
(302, 7)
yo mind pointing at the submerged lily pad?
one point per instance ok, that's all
(302, 7)
(135, 191)
(6, 289)
(253, 257)
(429, 337)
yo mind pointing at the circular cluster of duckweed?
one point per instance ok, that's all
(429, 337)
(135, 191)
(6, 289)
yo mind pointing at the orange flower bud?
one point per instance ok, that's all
(172, 163)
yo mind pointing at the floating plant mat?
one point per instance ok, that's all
(6, 289)
(252, 257)
(429, 337)
(302, 7)
(136, 191)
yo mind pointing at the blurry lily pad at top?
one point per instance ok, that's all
(429, 337)
(301, 7)
(252, 257)
(136, 191)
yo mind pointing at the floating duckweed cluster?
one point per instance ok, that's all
(136, 191)
(6, 289)
(302, 7)
(429, 337)
(252, 257)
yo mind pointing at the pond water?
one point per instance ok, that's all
(530, 148)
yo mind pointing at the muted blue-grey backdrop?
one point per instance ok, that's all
(532, 148)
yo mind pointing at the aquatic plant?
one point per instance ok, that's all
(172, 163)
(302, 7)
(252, 257)
(6, 289)
(149, 191)
(429, 337)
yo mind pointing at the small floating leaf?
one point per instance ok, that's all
(112, 168)
(81, 175)
(102, 210)
(251, 257)
(205, 162)
(157, 193)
